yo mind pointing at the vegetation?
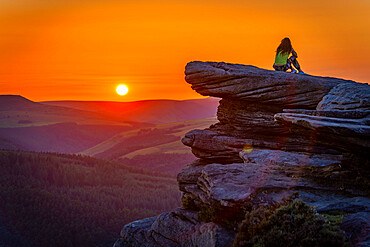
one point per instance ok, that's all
(291, 223)
(69, 200)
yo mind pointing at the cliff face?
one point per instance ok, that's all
(278, 134)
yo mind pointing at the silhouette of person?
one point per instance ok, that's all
(282, 62)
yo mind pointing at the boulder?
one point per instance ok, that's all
(357, 228)
(190, 173)
(178, 228)
(347, 96)
(136, 234)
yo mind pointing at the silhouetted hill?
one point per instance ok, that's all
(68, 200)
(17, 102)
(150, 111)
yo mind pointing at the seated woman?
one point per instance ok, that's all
(282, 62)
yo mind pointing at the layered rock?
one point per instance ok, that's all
(346, 96)
(278, 134)
(330, 118)
(249, 83)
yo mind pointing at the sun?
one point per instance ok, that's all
(122, 89)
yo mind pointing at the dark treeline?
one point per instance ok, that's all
(71, 200)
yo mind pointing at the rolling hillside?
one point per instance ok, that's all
(157, 148)
(29, 125)
(60, 137)
(74, 126)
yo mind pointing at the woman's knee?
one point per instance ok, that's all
(292, 59)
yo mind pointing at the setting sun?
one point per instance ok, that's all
(122, 89)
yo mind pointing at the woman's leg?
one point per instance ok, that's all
(280, 67)
(289, 64)
(293, 60)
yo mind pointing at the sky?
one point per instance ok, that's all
(82, 50)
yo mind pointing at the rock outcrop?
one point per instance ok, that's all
(278, 134)
(249, 83)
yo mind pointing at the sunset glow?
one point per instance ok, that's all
(58, 50)
(122, 89)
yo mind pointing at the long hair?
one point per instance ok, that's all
(284, 47)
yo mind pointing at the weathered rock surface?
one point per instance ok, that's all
(346, 96)
(253, 84)
(136, 234)
(357, 228)
(347, 135)
(230, 185)
(279, 157)
(251, 118)
(340, 123)
(176, 228)
(337, 126)
(217, 146)
(278, 134)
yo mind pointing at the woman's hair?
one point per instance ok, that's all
(285, 46)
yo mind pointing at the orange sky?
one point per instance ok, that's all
(63, 50)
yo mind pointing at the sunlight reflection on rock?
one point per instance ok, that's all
(247, 148)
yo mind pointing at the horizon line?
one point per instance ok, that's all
(114, 101)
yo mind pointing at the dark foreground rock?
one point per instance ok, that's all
(357, 228)
(176, 228)
(278, 135)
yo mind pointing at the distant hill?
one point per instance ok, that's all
(60, 137)
(117, 131)
(68, 200)
(17, 111)
(157, 148)
(17, 102)
(33, 126)
(149, 111)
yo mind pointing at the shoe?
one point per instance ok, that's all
(293, 71)
(302, 73)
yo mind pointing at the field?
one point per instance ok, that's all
(157, 148)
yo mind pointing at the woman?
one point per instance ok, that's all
(282, 62)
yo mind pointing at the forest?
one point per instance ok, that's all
(50, 199)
